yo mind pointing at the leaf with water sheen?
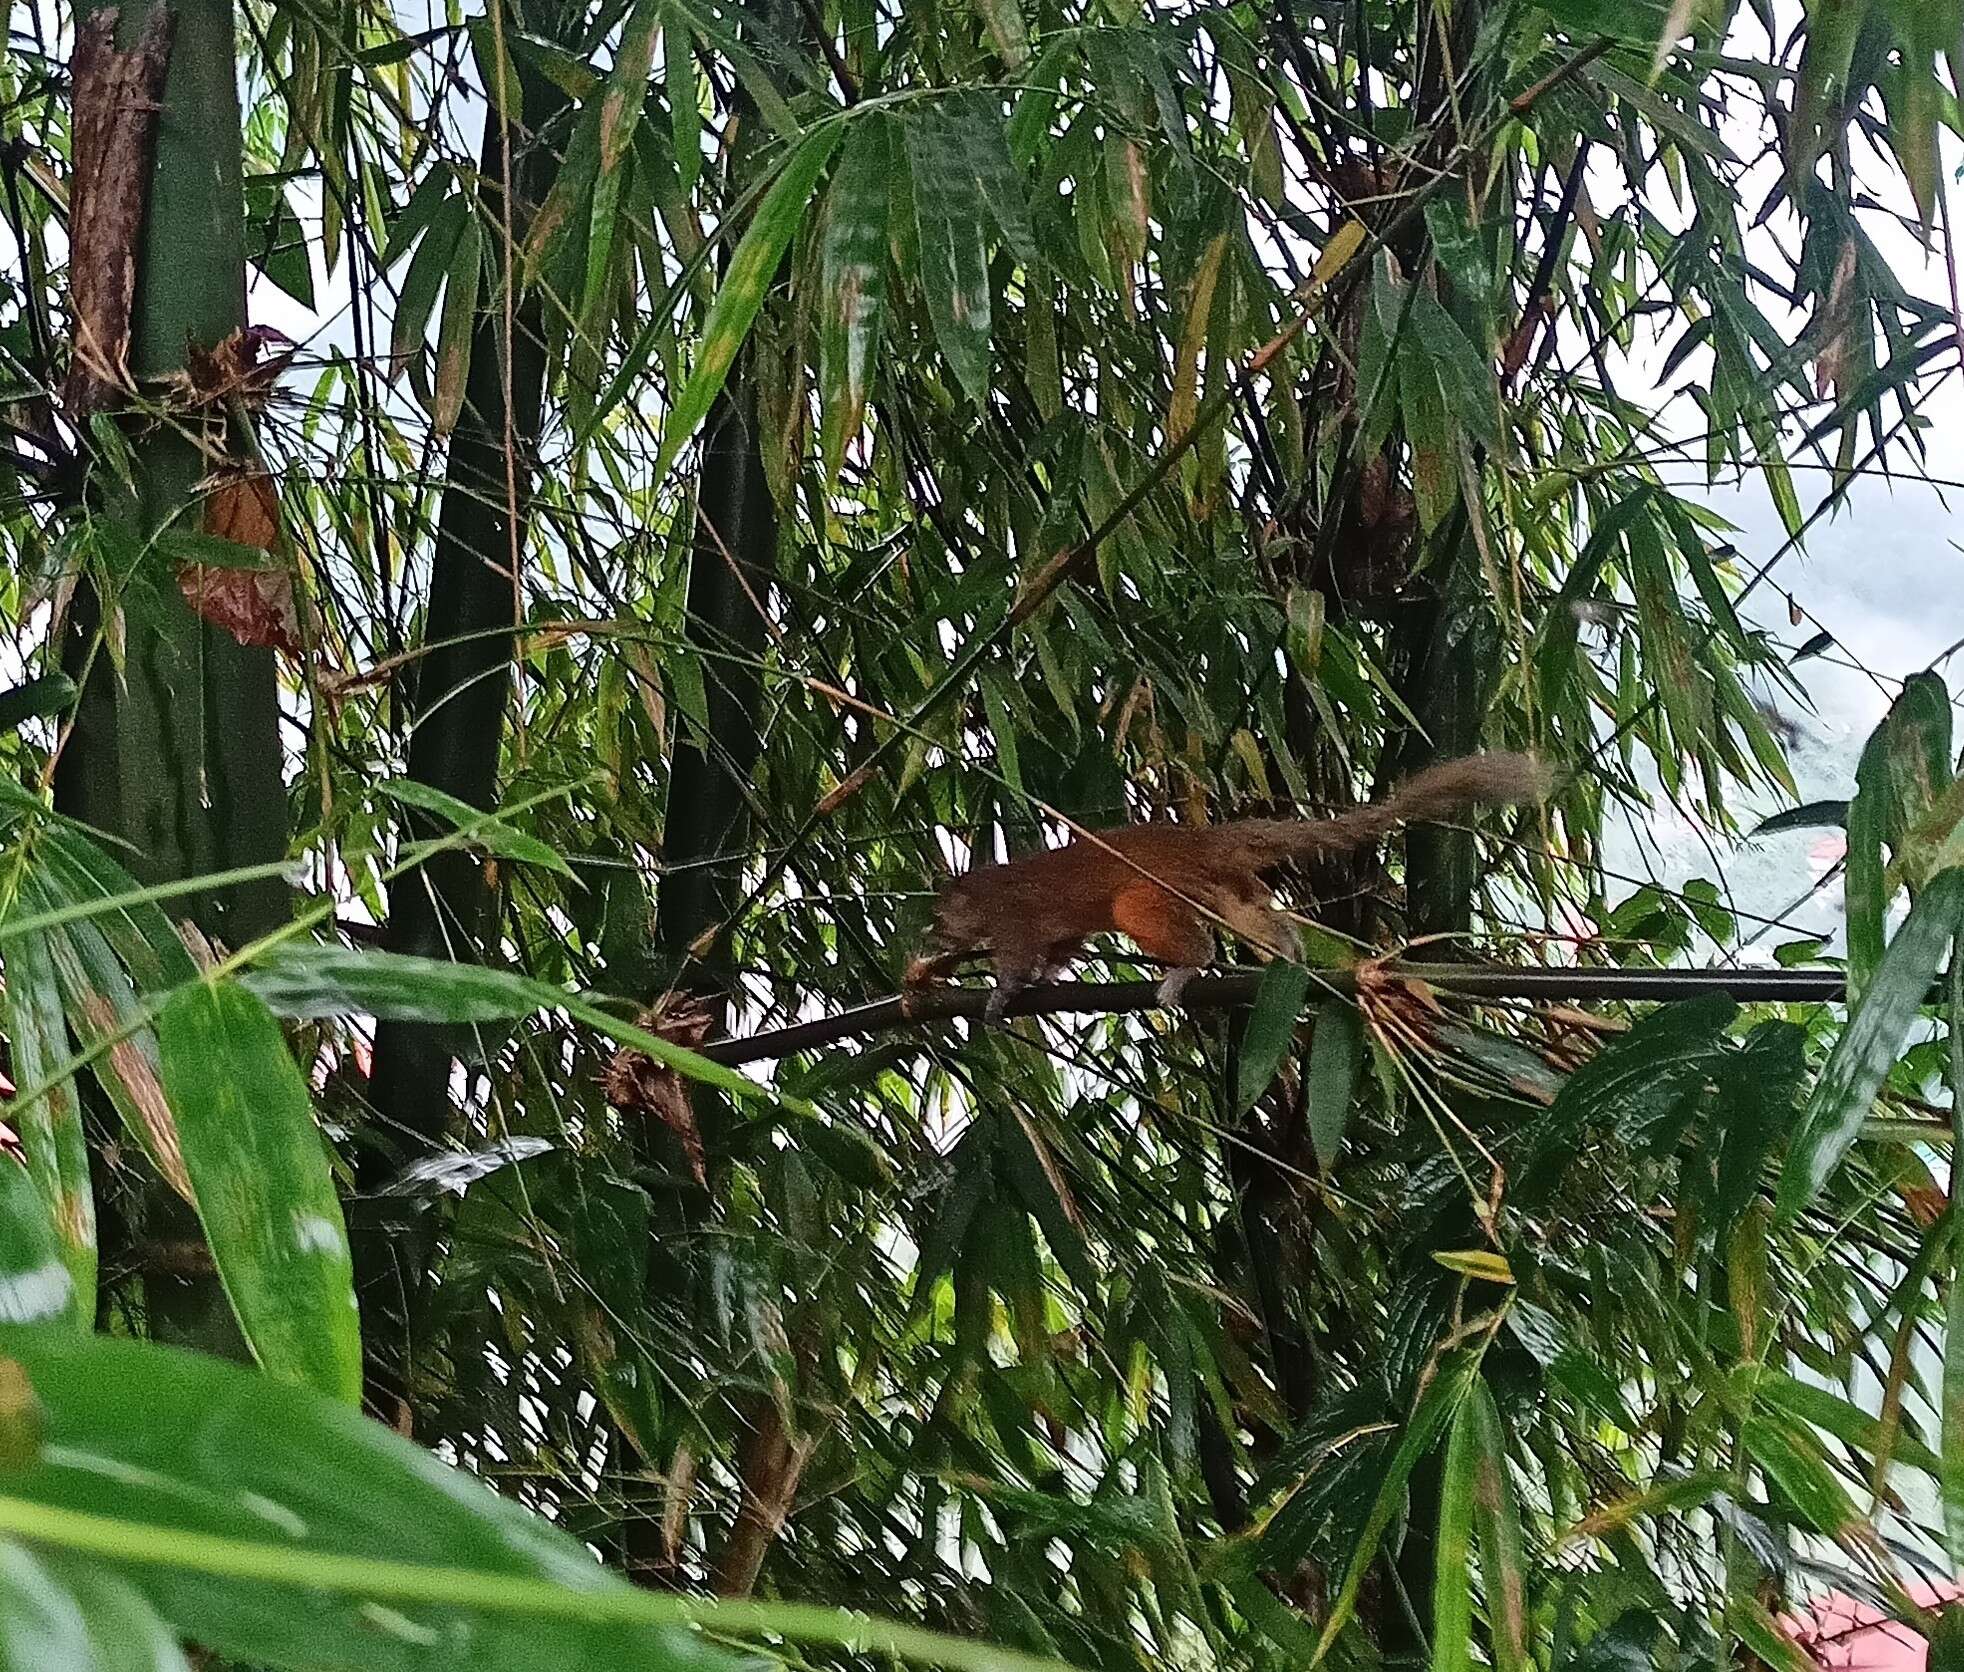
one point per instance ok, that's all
(853, 283)
(954, 266)
(164, 1447)
(261, 1184)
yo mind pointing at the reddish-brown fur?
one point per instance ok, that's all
(1166, 886)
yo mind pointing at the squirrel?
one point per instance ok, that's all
(1164, 886)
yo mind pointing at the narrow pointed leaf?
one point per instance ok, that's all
(853, 284)
(954, 268)
(1452, 1580)
(1437, 1406)
(1336, 1049)
(1497, 1517)
(1862, 1056)
(50, 1126)
(1812, 815)
(455, 330)
(424, 280)
(751, 270)
(490, 833)
(317, 981)
(1271, 1030)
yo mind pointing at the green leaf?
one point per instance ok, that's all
(853, 284)
(418, 214)
(974, 131)
(1434, 438)
(52, 693)
(1452, 1579)
(261, 1183)
(101, 1005)
(486, 830)
(1271, 1030)
(1947, 1641)
(1950, 1472)
(954, 267)
(225, 1500)
(1867, 1048)
(41, 1624)
(1438, 1404)
(751, 271)
(1503, 1563)
(124, 1629)
(425, 278)
(50, 1126)
(36, 1285)
(1902, 776)
(1795, 1463)
(496, 72)
(1832, 1414)
(455, 329)
(1812, 815)
(1004, 21)
(1335, 1050)
(1041, 1186)
(683, 87)
(316, 981)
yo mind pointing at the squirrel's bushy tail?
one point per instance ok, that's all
(1499, 779)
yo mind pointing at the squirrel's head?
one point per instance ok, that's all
(959, 926)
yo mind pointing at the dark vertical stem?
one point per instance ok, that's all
(180, 755)
(731, 570)
(457, 715)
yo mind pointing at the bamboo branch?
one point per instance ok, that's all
(1235, 989)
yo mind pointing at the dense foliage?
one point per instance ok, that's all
(736, 460)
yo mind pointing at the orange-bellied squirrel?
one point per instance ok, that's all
(1165, 885)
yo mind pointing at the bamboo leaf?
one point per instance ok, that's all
(261, 1184)
(1452, 1578)
(1812, 815)
(1862, 1056)
(973, 131)
(853, 284)
(50, 1126)
(751, 271)
(1336, 1048)
(417, 216)
(627, 84)
(276, 1527)
(41, 1623)
(1271, 1030)
(1796, 1464)
(1004, 21)
(1185, 399)
(954, 268)
(317, 981)
(1503, 1562)
(1438, 1404)
(683, 87)
(424, 279)
(487, 832)
(457, 326)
